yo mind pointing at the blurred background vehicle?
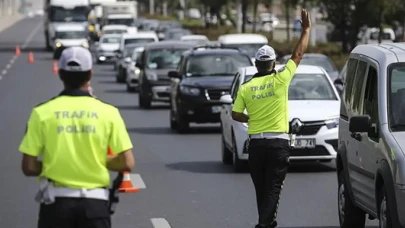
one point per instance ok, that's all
(125, 60)
(199, 39)
(164, 26)
(114, 29)
(106, 48)
(133, 71)
(176, 33)
(249, 43)
(315, 59)
(313, 101)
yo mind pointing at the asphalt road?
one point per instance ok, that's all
(183, 183)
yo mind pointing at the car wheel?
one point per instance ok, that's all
(144, 102)
(130, 89)
(225, 152)
(349, 215)
(384, 216)
(238, 165)
(183, 125)
(173, 123)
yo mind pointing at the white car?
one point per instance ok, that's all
(106, 48)
(69, 35)
(250, 43)
(114, 29)
(138, 38)
(314, 105)
(133, 71)
(198, 39)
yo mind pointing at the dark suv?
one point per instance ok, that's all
(204, 74)
(155, 62)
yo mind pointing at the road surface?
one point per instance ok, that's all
(183, 183)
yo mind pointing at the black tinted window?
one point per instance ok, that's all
(139, 41)
(397, 98)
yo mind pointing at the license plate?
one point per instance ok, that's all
(216, 109)
(305, 143)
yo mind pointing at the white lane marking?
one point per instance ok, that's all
(26, 43)
(137, 181)
(31, 36)
(160, 223)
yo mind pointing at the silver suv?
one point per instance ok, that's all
(371, 160)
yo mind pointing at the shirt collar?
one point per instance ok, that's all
(265, 73)
(74, 92)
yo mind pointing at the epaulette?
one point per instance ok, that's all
(281, 69)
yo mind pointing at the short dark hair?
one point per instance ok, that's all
(263, 66)
(73, 79)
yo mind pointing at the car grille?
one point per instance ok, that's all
(215, 94)
(310, 128)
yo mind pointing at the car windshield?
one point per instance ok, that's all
(309, 87)
(136, 53)
(121, 21)
(315, 61)
(115, 31)
(216, 65)
(375, 35)
(59, 14)
(70, 35)
(139, 40)
(129, 50)
(176, 34)
(397, 98)
(250, 49)
(164, 58)
(110, 40)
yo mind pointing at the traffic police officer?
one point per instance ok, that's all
(71, 132)
(265, 98)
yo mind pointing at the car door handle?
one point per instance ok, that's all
(356, 136)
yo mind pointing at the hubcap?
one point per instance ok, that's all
(383, 213)
(342, 202)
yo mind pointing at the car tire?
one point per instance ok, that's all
(173, 123)
(226, 154)
(350, 216)
(238, 165)
(182, 124)
(384, 215)
(143, 102)
(130, 89)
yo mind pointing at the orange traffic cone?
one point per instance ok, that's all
(17, 50)
(31, 58)
(126, 185)
(55, 67)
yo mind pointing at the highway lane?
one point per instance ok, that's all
(185, 183)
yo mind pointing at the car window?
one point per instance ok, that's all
(250, 49)
(136, 53)
(70, 35)
(350, 74)
(397, 98)
(164, 58)
(375, 35)
(234, 85)
(110, 40)
(139, 41)
(358, 87)
(216, 65)
(128, 51)
(370, 102)
(318, 61)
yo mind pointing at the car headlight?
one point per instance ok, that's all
(137, 71)
(152, 76)
(189, 90)
(85, 44)
(332, 122)
(58, 44)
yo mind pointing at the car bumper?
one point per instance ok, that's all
(160, 90)
(325, 147)
(200, 111)
(132, 79)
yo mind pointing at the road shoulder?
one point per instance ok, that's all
(8, 21)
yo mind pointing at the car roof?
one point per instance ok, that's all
(212, 51)
(168, 44)
(202, 37)
(238, 38)
(383, 53)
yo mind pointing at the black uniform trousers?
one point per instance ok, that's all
(75, 213)
(268, 163)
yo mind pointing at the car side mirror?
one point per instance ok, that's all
(338, 81)
(226, 99)
(360, 124)
(173, 74)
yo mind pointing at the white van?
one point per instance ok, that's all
(250, 43)
(371, 35)
(140, 37)
(68, 35)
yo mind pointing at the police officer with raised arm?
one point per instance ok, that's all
(71, 132)
(265, 98)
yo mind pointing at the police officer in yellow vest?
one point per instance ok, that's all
(71, 132)
(265, 98)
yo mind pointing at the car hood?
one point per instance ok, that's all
(109, 47)
(72, 42)
(162, 74)
(209, 81)
(313, 110)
